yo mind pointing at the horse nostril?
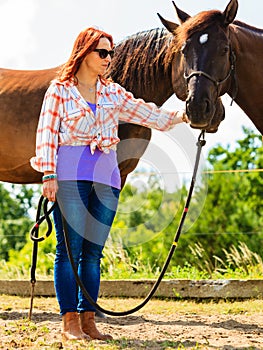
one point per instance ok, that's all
(207, 106)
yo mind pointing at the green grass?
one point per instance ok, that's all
(8, 272)
(239, 263)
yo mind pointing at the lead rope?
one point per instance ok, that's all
(201, 142)
(36, 239)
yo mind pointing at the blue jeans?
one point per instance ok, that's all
(89, 209)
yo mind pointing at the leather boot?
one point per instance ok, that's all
(71, 329)
(88, 326)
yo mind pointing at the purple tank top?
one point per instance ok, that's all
(77, 163)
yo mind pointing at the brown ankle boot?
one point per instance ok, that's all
(71, 329)
(88, 325)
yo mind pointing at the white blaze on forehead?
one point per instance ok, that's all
(203, 38)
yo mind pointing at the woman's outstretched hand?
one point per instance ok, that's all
(183, 115)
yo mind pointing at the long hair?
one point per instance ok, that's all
(85, 43)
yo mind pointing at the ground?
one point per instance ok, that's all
(159, 325)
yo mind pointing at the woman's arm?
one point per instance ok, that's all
(147, 114)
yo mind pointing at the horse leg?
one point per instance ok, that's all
(134, 141)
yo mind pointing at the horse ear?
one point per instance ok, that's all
(183, 16)
(171, 26)
(230, 12)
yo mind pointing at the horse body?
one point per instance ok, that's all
(218, 55)
(21, 95)
(247, 42)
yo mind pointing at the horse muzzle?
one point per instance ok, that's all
(205, 115)
(200, 113)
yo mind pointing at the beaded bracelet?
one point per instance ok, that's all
(49, 177)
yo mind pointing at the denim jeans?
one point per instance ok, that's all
(89, 209)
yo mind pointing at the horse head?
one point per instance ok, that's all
(203, 63)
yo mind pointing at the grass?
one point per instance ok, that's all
(239, 263)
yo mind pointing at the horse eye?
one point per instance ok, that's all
(225, 50)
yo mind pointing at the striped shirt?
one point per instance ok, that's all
(67, 119)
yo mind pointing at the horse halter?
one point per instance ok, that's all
(232, 71)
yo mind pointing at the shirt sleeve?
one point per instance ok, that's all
(47, 131)
(147, 114)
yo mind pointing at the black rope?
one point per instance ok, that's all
(35, 229)
(36, 239)
(40, 219)
(201, 142)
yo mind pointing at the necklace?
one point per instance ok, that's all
(89, 88)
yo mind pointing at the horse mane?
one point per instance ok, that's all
(138, 58)
(247, 26)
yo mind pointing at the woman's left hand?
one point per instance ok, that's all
(50, 189)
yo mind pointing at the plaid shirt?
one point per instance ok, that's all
(66, 119)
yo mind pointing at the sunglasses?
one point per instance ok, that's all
(103, 53)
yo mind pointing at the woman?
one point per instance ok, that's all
(76, 150)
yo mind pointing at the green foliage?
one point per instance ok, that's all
(237, 262)
(12, 235)
(20, 262)
(15, 222)
(13, 203)
(233, 207)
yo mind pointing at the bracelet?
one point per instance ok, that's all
(49, 177)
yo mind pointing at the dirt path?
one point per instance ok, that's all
(160, 325)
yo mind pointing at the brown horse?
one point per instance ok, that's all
(218, 55)
(138, 65)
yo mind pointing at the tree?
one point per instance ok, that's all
(233, 207)
(15, 222)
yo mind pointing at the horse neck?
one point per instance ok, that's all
(138, 66)
(247, 44)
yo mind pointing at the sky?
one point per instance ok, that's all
(38, 34)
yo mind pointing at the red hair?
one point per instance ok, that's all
(86, 42)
